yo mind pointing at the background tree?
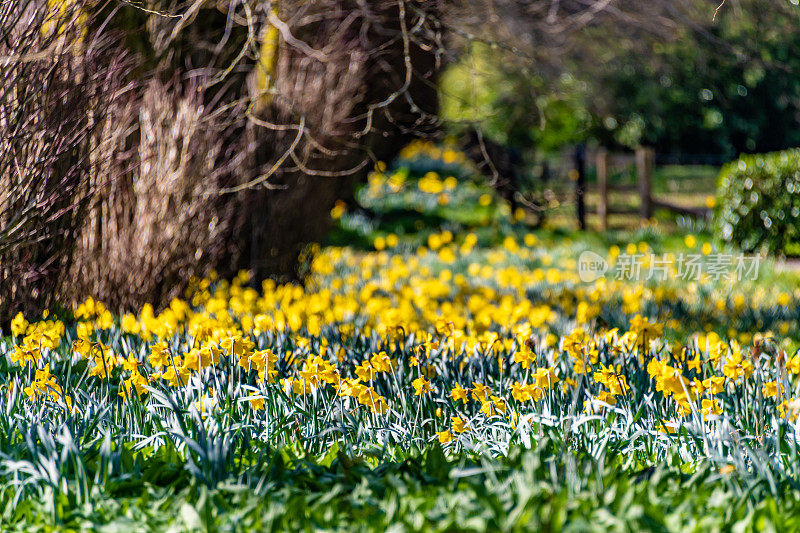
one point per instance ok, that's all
(683, 76)
(240, 129)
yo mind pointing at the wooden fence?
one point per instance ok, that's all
(644, 159)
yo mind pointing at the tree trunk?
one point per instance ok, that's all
(213, 169)
(345, 81)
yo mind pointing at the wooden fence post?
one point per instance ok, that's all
(645, 158)
(602, 184)
(580, 185)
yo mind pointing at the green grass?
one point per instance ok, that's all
(686, 179)
(545, 489)
(322, 461)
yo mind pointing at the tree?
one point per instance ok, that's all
(59, 86)
(682, 76)
(243, 123)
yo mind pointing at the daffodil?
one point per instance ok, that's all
(256, 402)
(772, 389)
(710, 407)
(421, 386)
(444, 436)
(458, 424)
(459, 393)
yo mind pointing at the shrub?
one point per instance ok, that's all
(59, 83)
(157, 207)
(759, 202)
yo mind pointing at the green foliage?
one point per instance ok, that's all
(513, 104)
(759, 202)
(688, 96)
(547, 488)
(714, 88)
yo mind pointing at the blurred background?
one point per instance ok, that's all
(146, 143)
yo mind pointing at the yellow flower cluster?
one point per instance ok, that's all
(446, 341)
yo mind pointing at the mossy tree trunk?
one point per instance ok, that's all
(346, 80)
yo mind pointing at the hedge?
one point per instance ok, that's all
(758, 206)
